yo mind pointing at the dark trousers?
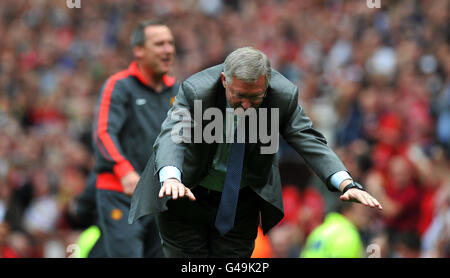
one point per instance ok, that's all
(187, 227)
(123, 240)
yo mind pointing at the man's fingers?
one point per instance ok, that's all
(181, 190)
(169, 189)
(371, 202)
(346, 197)
(352, 197)
(190, 195)
(174, 191)
(361, 197)
(366, 199)
(161, 191)
(166, 189)
(377, 204)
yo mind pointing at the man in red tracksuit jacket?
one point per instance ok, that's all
(131, 108)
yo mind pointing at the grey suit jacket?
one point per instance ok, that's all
(195, 159)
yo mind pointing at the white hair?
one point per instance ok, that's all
(247, 64)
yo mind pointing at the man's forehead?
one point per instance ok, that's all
(238, 84)
(261, 79)
(156, 31)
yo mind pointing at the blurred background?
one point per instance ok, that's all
(375, 81)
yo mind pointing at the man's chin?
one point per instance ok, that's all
(164, 71)
(165, 68)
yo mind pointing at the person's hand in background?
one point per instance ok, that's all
(129, 182)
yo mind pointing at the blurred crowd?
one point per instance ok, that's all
(375, 82)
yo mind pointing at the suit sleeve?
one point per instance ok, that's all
(166, 152)
(310, 143)
(169, 152)
(109, 120)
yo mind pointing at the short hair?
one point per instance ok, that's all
(138, 35)
(247, 64)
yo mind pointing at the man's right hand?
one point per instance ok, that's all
(174, 188)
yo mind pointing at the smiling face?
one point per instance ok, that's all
(244, 94)
(158, 51)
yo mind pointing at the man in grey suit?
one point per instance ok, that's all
(209, 197)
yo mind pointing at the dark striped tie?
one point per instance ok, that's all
(230, 193)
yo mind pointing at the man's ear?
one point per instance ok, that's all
(138, 51)
(223, 79)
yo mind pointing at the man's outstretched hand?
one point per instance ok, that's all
(359, 196)
(173, 187)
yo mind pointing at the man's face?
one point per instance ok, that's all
(159, 49)
(242, 94)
